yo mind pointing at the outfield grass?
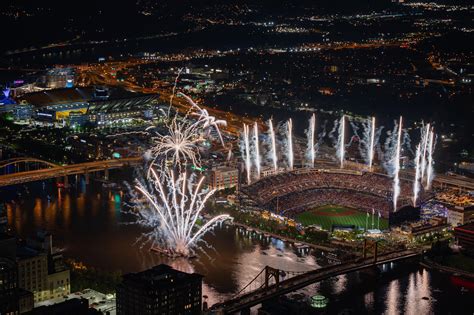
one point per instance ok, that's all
(326, 216)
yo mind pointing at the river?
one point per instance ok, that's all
(88, 222)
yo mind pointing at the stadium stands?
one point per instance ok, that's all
(303, 188)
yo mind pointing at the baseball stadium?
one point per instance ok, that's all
(332, 197)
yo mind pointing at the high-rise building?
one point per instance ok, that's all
(160, 290)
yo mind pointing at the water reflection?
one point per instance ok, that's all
(90, 225)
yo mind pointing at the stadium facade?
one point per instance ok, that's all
(98, 105)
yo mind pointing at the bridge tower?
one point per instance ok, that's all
(271, 272)
(369, 244)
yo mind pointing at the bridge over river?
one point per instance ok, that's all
(22, 172)
(269, 284)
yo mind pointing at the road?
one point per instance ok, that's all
(60, 171)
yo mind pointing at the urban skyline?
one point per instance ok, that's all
(237, 157)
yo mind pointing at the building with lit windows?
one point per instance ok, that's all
(41, 270)
(223, 177)
(160, 290)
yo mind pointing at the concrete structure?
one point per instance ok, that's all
(223, 177)
(460, 215)
(160, 290)
(465, 236)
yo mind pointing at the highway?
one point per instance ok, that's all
(102, 74)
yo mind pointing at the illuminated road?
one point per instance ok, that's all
(60, 171)
(102, 75)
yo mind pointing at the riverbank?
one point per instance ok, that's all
(430, 264)
(285, 238)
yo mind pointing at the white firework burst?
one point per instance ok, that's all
(179, 145)
(172, 208)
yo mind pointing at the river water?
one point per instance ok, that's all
(89, 224)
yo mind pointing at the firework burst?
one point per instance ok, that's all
(172, 207)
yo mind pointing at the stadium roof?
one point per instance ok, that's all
(58, 96)
(74, 95)
(113, 105)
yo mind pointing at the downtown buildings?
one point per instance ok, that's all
(30, 273)
(160, 290)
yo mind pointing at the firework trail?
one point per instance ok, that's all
(205, 120)
(416, 182)
(341, 141)
(396, 167)
(289, 135)
(273, 148)
(311, 146)
(372, 143)
(181, 143)
(245, 150)
(174, 91)
(429, 171)
(172, 208)
(256, 149)
(424, 139)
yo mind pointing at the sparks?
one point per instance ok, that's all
(172, 209)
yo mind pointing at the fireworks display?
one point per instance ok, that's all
(390, 158)
(172, 209)
(173, 201)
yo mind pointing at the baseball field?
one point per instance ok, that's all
(326, 216)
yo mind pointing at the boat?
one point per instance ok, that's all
(169, 253)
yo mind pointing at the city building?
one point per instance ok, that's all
(77, 306)
(3, 219)
(465, 235)
(104, 303)
(223, 177)
(58, 78)
(160, 290)
(77, 119)
(41, 270)
(8, 287)
(459, 215)
(22, 112)
(26, 300)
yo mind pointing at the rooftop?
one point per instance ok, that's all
(161, 275)
(467, 228)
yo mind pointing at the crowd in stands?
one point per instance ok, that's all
(455, 198)
(375, 185)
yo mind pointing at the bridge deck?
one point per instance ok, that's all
(59, 171)
(303, 280)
